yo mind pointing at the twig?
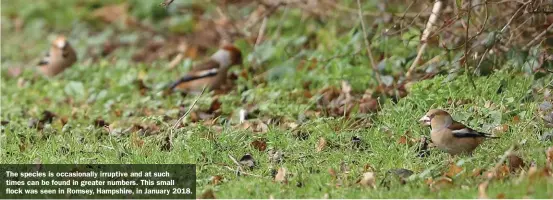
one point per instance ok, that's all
(538, 37)
(469, 75)
(166, 3)
(501, 32)
(429, 26)
(234, 160)
(368, 44)
(270, 11)
(187, 112)
(261, 32)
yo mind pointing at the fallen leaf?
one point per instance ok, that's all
(276, 156)
(332, 173)
(216, 180)
(321, 145)
(256, 126)
(248, 161)
(47, 117)
(453, 170)
(368, 179)
(259, 144)
(515, 163)
(64, 120)
(549, 156)
(281, 176)
(367, 104)
(440, 183)
(99, 122)
(402, 140)
(208, 194)
(215, 106)
(500, 196)
(503, 171)
(135, 140)
(501, 129)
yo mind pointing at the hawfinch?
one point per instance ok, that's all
(211, 73)
(60, 57)
(451, 136)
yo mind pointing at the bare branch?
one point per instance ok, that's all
(368, 44)
(429, 26)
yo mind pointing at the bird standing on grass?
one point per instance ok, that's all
(60, 57)
(451, 136)
(211, 73)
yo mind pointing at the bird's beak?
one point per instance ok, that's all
(425, 120)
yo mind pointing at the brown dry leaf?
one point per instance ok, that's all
(136, 141)
(549, 156)
(440, 183)
(453, 170)
(215, 106)
(99, 122)
(64, 120)
(402, 140)
(500, 196)
(256, 126)
(321, 144)
(332, 173)
(515, 163)
(502, 171)
(281, 176)
(208, 194)
(275, 156)
(501, 129)
(259, 144)
(368, 180)
(216, 180)
(111, 13)
(482, 190)
(367, 104)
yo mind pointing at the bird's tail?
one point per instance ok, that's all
(487, 135)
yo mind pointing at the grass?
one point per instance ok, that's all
(106, 90)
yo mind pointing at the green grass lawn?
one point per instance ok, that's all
(105, 90)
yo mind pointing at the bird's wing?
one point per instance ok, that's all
(461, 131)
(194, 75)
(207, 65)
(45, 60)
